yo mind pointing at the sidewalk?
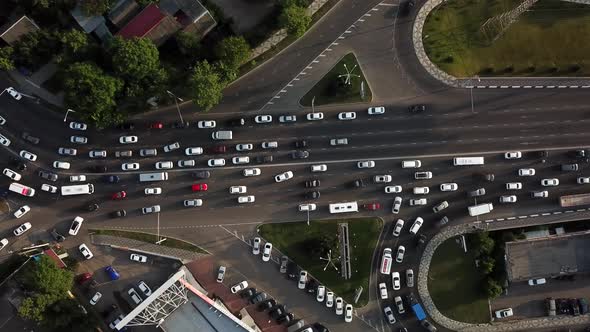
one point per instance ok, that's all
(32, 85)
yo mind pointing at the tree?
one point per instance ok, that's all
(188, 43)
(6, 62)
(44, 277)
(487, 264)
(206, 85)
(35, 49)
(226, 72)
(66, 314)
(295, 20)
(95, 7)
(493, 289)
(485, 244)
(135, 58)
(289, 3)
(92, 93)
(233, 51)
(34, 307)
(73, 45)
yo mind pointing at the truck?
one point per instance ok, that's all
(81, 189)
(416, 308)
(574, 200)
(480, 209)
(157, 176)
(222, 134)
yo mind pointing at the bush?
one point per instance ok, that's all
(493, 289)
(449, 59)
(487, 71)
(575, 68)
(295, 20)
(509, 69)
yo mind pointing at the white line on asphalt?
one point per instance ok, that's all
(557, 212)
(500, 219)
(545, 214)
(510, 218)
(534, 215)
(569, 211)
(522, 217)
(581, 210)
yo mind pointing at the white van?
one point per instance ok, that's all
(386, 261)
(411, 164)
(421, 190)
(22, 189)
(222, 135)
(158, 176)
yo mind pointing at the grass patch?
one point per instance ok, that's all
(293, 238)
(453, 273)
(332, 89)
(150, 238)
(546, 40)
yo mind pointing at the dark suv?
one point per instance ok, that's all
(48, 175)
(300, 154)
(312, 183)
(236, 122)
(417, 108)
(57, 237)
(301, 144)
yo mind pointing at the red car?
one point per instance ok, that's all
(200, 187)
(219, 149)
(372, 206)
(157, 125)
(82, 278)
(119, 195)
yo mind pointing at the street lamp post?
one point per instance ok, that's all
(471, 93)
(176, 99)
(312, 104)
(68, 111)
(158, 240)
(307, 217)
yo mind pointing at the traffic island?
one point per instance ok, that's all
(466, 38)
(317, 248)
(344, 83)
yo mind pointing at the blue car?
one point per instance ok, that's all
(113, 274)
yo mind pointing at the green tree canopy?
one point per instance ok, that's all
(66, 315)
(233, 51)
(6, 62)
(134, 59)
(35, 49)
(45, 277)
(493, 289)
(73, 44)
(188, 43)
(92, 93)
(485, 244)
(295, 20)
(95, 7)
(206, 86)
(34, 307)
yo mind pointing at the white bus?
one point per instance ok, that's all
(344, 207)
(468, 161)
(80, 189)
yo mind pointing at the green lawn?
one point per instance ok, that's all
(547, 40)
(332, 90)
(150, 238)
(455, 285)
(291, 238)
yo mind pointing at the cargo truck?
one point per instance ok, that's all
(574, 200)
(480, 209)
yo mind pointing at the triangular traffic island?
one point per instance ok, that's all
(344, 83)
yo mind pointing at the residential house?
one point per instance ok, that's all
(14, 29)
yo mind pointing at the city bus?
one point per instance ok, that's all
(468, 161)
(80, 189)
(344, 207)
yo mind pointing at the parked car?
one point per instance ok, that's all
(239, 286)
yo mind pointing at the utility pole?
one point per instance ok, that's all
(68, 111)
(312, 105)
(471, 93)
(158, 241)
(176, 99)
(307, 217)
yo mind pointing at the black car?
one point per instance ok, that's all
(312, 183)
(417, 108)
(420, 240)
(236, 122)
(202, 174)
(118, 214)
(48, 175)
(19, 164)
(266, 304)
(320, 328)
(358, 183)
(180, 125)
(285, 318)
(113, 179)
(574, 307)
(92, 207)
(299, 154)
(292, 270)
(278, 311)
(126, 126)
(57, 237)
(248, 292)
(301, 144)
(258, 297)
(264, 159)
(31, 139)
(312, 195)
(543, 154)
(98, 169)
(312, 285)
(407, 7)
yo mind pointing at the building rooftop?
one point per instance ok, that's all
(143, 23)
(122, 12)
(87, 23)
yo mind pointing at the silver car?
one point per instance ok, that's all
(397, 203)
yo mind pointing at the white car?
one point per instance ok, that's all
(389, 315)
(449, 186)
(216, 162)
(397, 204)
(315, 116)
(97, 154)
(67, 151)
(540, 194)
(78, 139)
(186, 163)
(397, 229)
(171, 147)
(508, 199)
(266, 252)
(127, 139)
(347, 116)
(348, 313)
(535, 282)
(85, 251)
(76, 225)
(164, 165)
(550, 182)
(12, 174)
(441, 206)
(513, 155)
(416, 226)
(320, 293)
(138, 258)
(287, 118)
(365, 164)
(513, 185)
(319, 168)
(206, 124)
(4, 141)
(150, 209)
(382, 178)
(396, 280)
(153, 191)
(193, 202)
(307, 207)
(270, 145)
(399, 304)
(77, 178)
(244, 147)
(339, 306)
(251, 172)
(581, 180)
(94, 300)
(49, 188)
(401, 250)
(61, 165)
(329, 299)
(15, 94)
(144, 288)
(283, 176)
(239, 286)
(220, 274)
(256, 246)
(526, 172)
(78, 126)
(383, 291)
(194, 151)
(263, 119)
(421, 190)
(130, 166)
(21, 211)
(376, 110)
(28, 155)
(22, 228)
(302, 279)
(393, 189)
(238, 189)
(417, 202)
(240, 160)
(503, 313)
(246, 199)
